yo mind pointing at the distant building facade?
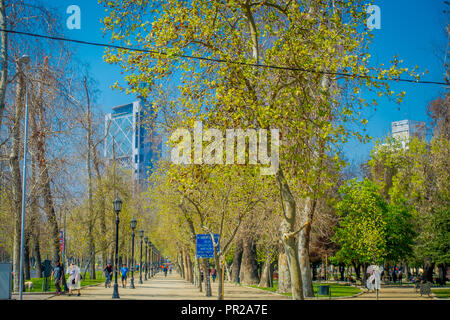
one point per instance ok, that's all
(405, 130)
(135, 147)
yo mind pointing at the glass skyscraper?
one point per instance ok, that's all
(135, 146)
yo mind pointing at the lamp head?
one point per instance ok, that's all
(133, 224)
(141, 233)
(146, 240)
(117, 203)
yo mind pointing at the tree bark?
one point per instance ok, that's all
(35, 219)
(249, 268)
(91, 220)
(3, 59)
(303, 247)
(14, 163)
(266, 273)
(442, 274)
(218, 268)
(44, 169)
(237, 259)
(428, 271)
(284, 278)
(288, 235)
(357, 267)
(26, 256)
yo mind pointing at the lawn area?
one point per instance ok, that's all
(337, 290)
(441, 293)
(37, 282)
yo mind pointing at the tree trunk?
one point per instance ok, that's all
(3, 59)
(303, 251)
(91, 220)
(197, 271)
(218, 268)
(181, 262)
(37, 257)
(442, 274)
(288, 236)
(266, 274)
(428, 271)
(364, 272)
(26, 257)
(35, 219)
(237, 259)
(14, 163)
(342, 271)
(284, 278)
(190, 270)
(249, 268)
(357, 270)
(44, 170)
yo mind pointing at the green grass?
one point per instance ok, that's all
(441, 293)
(37, 282)
(337, 290)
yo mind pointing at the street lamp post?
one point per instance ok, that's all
(150, 244)
(133, 223)
(25, 60)
(146, 246)
(141, 234)
(151, 260)
(117, 208)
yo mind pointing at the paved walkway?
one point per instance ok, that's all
(175, 288)
(392, 293)
(171, 288)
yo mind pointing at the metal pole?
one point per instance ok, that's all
(132, 260)
(146, 267)
(208, 281)
(64, 252)
(140, 266)
(151, 262)
(116, 286)
(24, 190)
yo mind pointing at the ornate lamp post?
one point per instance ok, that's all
(141, 234)
(133, 223)
(151, 260)
(117, 208)
(146, 247)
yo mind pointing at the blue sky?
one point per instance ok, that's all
(412, 29)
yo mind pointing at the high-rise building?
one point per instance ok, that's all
(405, 130)
(135, 147)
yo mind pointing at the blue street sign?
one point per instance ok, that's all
(205, 248)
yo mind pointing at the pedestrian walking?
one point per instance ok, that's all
(400, 276)
(165, 271)
(394, 275)
(74, 279)
(124, 272)
(214, 274)
(57, 275)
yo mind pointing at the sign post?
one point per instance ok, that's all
(205, 249)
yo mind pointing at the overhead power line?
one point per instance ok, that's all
(348, 75)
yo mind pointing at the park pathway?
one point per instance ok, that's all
(392, 293)
(172, 287)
